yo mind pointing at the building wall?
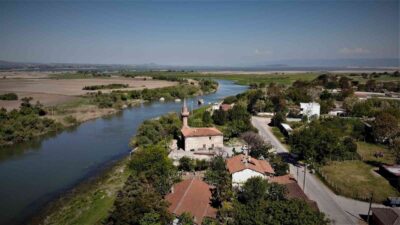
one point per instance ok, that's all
(241, 177)
(195, 143)
(311, 110)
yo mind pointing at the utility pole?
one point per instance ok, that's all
(304, 180)
(369, 209)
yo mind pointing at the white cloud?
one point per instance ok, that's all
(354, 51)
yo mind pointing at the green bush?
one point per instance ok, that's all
(9, 97)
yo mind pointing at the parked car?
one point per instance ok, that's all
(393, 201)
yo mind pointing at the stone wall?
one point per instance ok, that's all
(196, 143)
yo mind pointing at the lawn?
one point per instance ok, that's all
(367, 151)
(90, 203)
(356, 179)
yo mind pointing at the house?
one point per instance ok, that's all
(311, 109)
(385, 216)
(242, 167)
(293, 190)
(192, 196)
(391, 173)
(199, 138)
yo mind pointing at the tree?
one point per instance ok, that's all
(209, 221)
(207, 120)
(218, 176)
(278, 118)
(370, 85)
(396, 148)
(257, 146)
(385, 127)
(280, 167)
(344, 82)
(151, 218)
(292, 212)
(186, 164)
(153, 163)
(185, 219)
(220, 117)
(139, 203)
(253, 191)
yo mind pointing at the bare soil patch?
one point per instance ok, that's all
(55, 91)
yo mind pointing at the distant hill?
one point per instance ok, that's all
(289, 65)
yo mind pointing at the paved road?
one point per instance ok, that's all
(339, 210)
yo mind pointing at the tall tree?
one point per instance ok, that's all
(385, 127)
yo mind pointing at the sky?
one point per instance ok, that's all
(197, 32)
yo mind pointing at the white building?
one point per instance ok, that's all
(243, 167)
(199, 138)
(202, 138)
(311, 109)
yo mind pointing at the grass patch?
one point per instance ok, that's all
(278, 134)
(356, 179)
(89, 203)
(67, 106)
(196, 117)
(367, 151)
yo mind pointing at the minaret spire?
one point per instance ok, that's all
(185, 114)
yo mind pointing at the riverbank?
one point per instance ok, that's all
(51, 165)
(92, 106)
(89, 202)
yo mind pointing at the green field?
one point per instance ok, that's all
(89, 203)
(356, 179)
(367, 151)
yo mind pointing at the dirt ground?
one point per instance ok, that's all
(53, 91)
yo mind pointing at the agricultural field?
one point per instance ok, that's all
(57, 91)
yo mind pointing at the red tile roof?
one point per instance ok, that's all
(387, 216)
(193, 196)
(237, 163)
(200, 131)
(294, 190)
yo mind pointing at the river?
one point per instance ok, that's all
(32, 174)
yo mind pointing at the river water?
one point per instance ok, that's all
(32, 174)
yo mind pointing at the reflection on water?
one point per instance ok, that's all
(33, 173)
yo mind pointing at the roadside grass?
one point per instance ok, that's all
(367, 151)
(278, 134)
(89, 203)
(356, 179)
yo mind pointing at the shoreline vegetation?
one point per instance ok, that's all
(89, 201)
(90, 106)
